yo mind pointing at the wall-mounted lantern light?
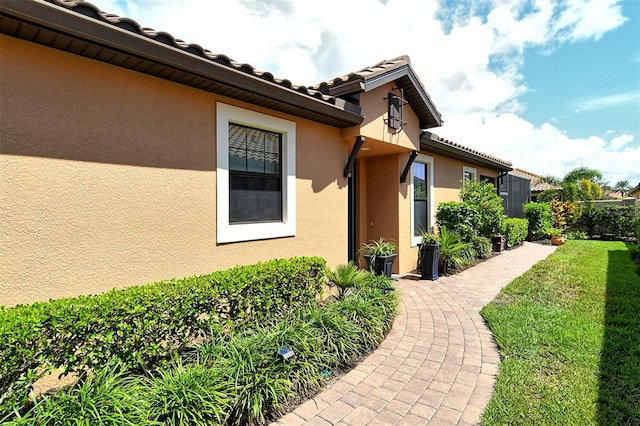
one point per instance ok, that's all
(395, 114)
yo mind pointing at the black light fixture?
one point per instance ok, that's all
(394, 118)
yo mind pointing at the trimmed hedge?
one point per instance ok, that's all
(143, 326)
(516, 230)
(540, 217)
(459, 217)
(614, 222)
(232, 377)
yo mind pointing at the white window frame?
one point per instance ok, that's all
(234, 232)
(429, 161)
(472, 170)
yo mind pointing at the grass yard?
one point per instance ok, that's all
(568, 332)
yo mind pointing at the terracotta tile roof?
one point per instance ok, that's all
(365, 73)
(452, 146)
(536, 184)
(92, 11)
(524, 174)
(398, 70)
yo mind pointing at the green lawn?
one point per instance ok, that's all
(568, 332)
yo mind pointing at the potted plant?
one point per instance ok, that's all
(558, 236)
(380, 256)
(429, 256)
(498, 243)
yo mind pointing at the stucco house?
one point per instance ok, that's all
(129, 156)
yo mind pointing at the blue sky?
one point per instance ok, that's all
(549, 85)
(589, 87)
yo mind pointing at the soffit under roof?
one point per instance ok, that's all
(434, 143)
(80, 28)
(397, 70)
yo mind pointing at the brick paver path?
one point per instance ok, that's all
(438, 363)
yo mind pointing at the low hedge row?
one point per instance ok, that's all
(515, 230)
(231, 377)
(143, 325)
(610, 221)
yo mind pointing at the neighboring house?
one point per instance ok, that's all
(129, 156)
(635, 192)
(537, 185)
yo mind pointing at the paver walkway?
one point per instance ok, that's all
(438, 363)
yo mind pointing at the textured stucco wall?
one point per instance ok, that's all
(382, 198)
(108, 179)
(375, 109)
(448, 175)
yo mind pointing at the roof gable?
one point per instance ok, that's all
(397, 70)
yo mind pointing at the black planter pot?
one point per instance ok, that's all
(498, 243)
(383, 265)
(429, 255)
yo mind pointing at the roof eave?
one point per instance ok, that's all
(430, 144)
(406, 79)
(55, 19)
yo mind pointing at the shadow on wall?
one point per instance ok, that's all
(619, 393)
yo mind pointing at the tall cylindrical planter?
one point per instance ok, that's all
(383, 265)
(498, 243)
(430, 253)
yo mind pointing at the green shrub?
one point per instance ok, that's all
(610, 221)
(346, 276)
(577, 235)
(540, 218)
(454, 253)
(548, 195)
(459, 217)
(234, 376)
(515, 231)
(482, 247)
(143, 326)
(482, 197)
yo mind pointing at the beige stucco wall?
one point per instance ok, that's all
(375, 109)
(108, 180)
(448, 175)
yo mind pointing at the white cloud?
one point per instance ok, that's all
(545, 149)
(603, 102)
(585, 19)
(469, 57)
(620, 141)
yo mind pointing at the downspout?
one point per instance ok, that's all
(501, 175)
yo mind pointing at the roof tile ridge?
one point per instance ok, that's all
(89, 9)
(472, 150)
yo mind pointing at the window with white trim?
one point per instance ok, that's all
(469, 174)
(422, 202)
(255, 175)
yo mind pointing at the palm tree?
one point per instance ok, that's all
(581, 183)
(622, 186)
(581, 173)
